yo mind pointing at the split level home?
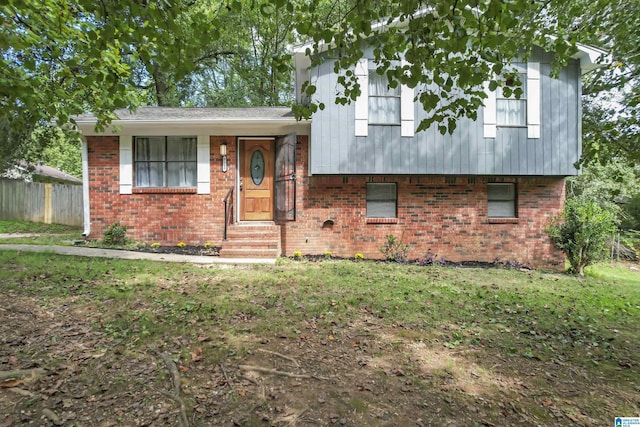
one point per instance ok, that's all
(257, 182)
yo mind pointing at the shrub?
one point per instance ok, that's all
(582, 232)
(297, 255)
(327, 254)
(394, 249)
(115, 234)
(181, 245)
(359, 257)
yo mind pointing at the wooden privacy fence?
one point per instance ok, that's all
(39, 202)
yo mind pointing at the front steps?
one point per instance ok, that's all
(256, 239)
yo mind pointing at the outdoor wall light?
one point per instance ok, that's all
(223, 153)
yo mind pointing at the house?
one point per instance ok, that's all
(259, 183)
(38, 172)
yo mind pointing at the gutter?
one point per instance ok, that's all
(85, 188)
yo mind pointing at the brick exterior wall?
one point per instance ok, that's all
(163, 217)
(437, 215)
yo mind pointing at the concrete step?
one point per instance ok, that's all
(249, 253)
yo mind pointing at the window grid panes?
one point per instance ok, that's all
(165, 161)
(384, 101)
(501, 200)
(511, 111)
(382, 200)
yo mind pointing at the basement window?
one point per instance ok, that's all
(501, 200)
(382, 200)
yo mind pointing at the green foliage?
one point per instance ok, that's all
(631, 211)
(394, 250)
(115, 234)
(56, 148)
(451, 49)
(582, 232)
(612, 93)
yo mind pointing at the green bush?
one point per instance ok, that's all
(582, 231)
(115, 234)
(394, 249)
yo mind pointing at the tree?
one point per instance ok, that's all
(582, 232)
(451, 48)
(51, 146)
(61, 58)
(612, 94)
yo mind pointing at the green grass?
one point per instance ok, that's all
(589, 324)
(16, 226)
(44, 234)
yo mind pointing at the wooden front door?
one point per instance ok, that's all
(256, 180)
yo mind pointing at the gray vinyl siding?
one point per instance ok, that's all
(336, 150)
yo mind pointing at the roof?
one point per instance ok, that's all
(50, 172)
(213, 121)
(24, 170)
(169, 114)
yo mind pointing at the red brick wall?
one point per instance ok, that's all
(166, 218)
(443, 216)
(439, 216)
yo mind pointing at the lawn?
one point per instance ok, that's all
(315, 343)
(37, 233)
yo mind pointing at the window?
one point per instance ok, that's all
(384, 101)
(381, 200)
(165, 161)
(510, 110)
(502, 200)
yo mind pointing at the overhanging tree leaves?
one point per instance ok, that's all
(62, 58)
(451, 48)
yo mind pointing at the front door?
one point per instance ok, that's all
(256, 180)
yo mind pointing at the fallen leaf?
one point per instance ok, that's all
(196, 356)
(204, 338)
(546, 402)
(10, 383)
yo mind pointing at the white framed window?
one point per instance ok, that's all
(501, 200)
(165, 161)
(384, 101)
(526, 112)
(382, 200)
(512, 111)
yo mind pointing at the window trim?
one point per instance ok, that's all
(382, 219)
(398, 97)
(514, 200)
(153, 188)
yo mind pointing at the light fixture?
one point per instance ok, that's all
(223, 153)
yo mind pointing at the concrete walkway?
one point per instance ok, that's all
(115, 253)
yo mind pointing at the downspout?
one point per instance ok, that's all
(85, 188)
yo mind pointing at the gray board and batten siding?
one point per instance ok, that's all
(336, 150)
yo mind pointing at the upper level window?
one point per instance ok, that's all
(512, 111)
(501, 200)
(165, 161)
(384, 101)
